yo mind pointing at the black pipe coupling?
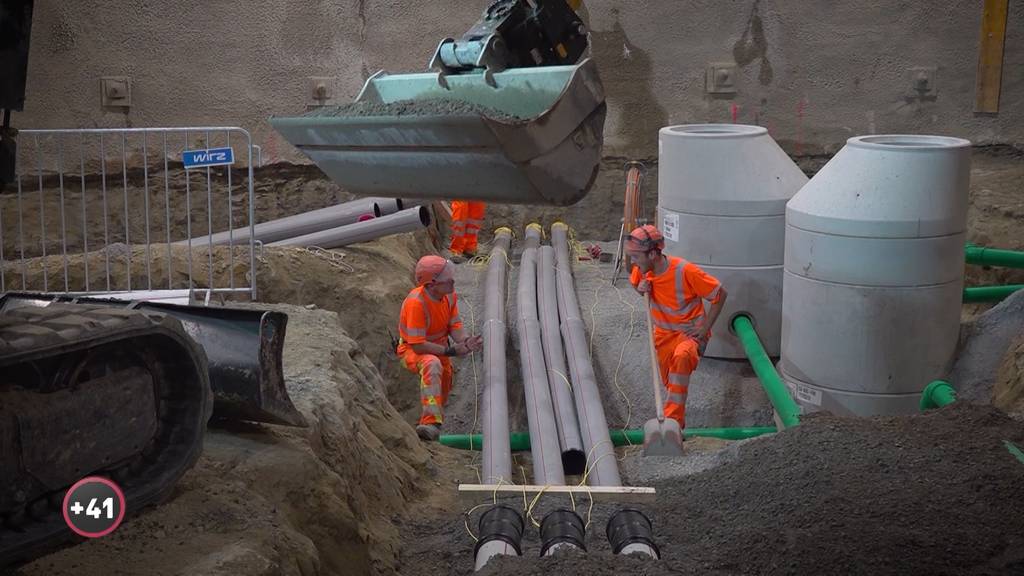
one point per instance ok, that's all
(630, 526)
(562, 526)
(502, 523)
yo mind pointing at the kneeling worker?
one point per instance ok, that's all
(678, 290)
(430, 315)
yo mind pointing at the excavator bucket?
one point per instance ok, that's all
(520, 136)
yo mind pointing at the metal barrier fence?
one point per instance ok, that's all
(80, 188)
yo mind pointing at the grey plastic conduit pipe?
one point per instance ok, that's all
(496, 453)
(405, 221)
(547, 454)
(629, 530)
(602, 467)
(574, 459)
(305, 223)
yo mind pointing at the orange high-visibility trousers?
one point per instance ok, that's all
(678, 356)
(467, 218)
(435, 383)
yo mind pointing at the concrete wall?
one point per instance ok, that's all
(814, 71)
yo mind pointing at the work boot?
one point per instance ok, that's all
(428, 432)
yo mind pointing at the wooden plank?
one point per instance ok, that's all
(624, 494)
(990, 56)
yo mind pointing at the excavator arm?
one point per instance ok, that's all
(517, 34)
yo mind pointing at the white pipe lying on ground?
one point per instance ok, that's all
(405, 221)
(305, 223)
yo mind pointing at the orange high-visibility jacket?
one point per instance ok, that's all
(424, 319)
(678, 294)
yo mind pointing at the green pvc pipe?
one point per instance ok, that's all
(990, 293)
(983, 256)
(785, 407)
(520, 441)
(937, 394)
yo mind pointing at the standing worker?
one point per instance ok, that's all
(678, 290)
(467, 218)
(429, 317)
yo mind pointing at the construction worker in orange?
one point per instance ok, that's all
(431, 333)
(678, 290)
(467, 218)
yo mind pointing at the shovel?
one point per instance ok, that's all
(662, 436)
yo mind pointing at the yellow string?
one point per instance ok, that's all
(475, 469)
(622, 353)
(496, 488)
(587, 469)
(465, 521)
(529, 511)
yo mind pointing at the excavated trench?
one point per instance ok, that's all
(358, 493)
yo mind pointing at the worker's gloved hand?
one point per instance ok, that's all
(643, 287)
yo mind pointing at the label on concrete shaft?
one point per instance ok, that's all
(670, 226)
(808, 395)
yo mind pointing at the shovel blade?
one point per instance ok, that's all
(663, 438)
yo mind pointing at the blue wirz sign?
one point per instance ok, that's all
(208, 157)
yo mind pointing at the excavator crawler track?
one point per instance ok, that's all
(92, 390)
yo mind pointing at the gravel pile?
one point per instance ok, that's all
(938, 493)
(437, 107)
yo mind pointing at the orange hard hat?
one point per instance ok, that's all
(645, 238)
(429, 268)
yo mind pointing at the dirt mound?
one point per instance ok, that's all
(995, 215)
(365, 284)
(269, 500)
(365, 287)
(1008, 393)
(937, 493)
(985, 343)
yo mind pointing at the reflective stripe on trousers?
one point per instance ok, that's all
(467, 218)
(678, 356)
(435, 383)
